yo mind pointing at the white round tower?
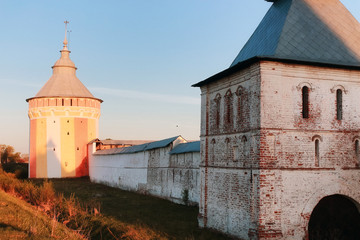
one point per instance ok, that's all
(63, 117)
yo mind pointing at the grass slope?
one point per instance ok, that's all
(19, 220)
(169, 219)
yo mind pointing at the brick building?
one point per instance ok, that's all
(280, 129)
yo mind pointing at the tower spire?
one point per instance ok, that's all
(65, 40)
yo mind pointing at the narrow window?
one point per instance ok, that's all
(217, 111)
(228, 111)
(212, 151)
(62, 102)
(317, 152)
(357, 150)
(305, 102)
(217, 115)
(339, 104)
(240, 104)
(70, 102)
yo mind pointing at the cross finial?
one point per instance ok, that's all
(65, 40)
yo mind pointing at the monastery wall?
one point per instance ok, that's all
(154, 172)
(125, 171)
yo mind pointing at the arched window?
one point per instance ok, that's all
(240, 104)
(317, 152)
(305, 102)
(217, 110)
(228, 118)
(339, 104)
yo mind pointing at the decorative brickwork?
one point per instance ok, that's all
(263, 178)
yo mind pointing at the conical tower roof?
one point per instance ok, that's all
(321, 31)
(63, 82)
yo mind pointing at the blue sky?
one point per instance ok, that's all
(141, 57)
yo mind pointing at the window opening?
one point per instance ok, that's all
(317, 152)
(339, 104)
(305, 102)
(217, 116)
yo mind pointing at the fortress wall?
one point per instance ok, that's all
(153, 172)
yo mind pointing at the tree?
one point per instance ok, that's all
(8, 154)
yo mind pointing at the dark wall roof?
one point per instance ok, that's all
(138, 148)
(186, 148)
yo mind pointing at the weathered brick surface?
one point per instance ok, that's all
(260, 176)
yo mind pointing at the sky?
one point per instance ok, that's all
(139, 56)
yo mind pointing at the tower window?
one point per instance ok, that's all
(68, 133)
(228, 121)
(305, 102)
(217, 110)
(317, 153)
(339, 104)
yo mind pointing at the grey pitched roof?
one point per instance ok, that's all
(186, 148)
(308, 31)
(138, 148)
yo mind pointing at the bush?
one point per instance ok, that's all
(19, 169)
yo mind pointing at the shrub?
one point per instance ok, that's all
(19, 169)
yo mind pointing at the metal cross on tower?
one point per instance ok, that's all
(65, 40)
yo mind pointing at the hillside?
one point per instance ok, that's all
(19, 220)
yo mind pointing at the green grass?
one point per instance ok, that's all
(168, 219)
(20, 220)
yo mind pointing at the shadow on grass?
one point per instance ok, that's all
(176, 221)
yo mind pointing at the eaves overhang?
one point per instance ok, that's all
(247, 63)
(27, 100)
